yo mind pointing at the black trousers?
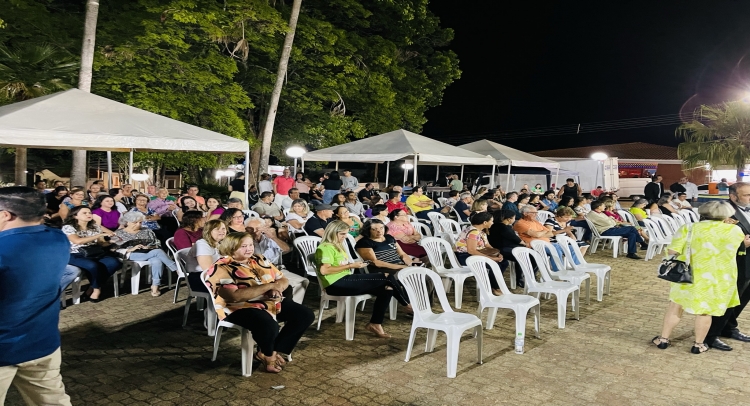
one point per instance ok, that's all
(265, 330)
(724, 326)
(373, 284)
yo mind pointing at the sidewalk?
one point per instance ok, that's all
(132, 350)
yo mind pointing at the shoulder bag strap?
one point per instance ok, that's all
(689, 241)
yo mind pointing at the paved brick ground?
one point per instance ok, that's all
(132, 350)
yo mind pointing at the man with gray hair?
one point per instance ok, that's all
(726, 326)
(463, 206)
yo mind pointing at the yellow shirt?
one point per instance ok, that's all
(639, 211)
(413, 200)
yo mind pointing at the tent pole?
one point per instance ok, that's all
(507, 181)
(387, 172)
(247, 177)
(462, 173)
(303, 164)
(415, 171)
(109, 169)
(337, 165)
(130, 163)
(406, 174)
(437, 174)
(557, 175)
(492, 178)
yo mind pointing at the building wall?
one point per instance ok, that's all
(673, 172)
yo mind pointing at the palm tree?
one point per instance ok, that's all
(31, 71)
(718, 135)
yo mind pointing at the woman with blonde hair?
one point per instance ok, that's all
(298, 215)
(335, 269)
(712, 249)
(204, 253)
(248, 291)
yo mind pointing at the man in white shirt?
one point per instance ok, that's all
(691, 189)
(349, 181)
(266, 207)
(286, 204)
(353, 205)
(682, 202)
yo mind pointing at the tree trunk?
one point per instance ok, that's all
(78, 171)
(21, 166)
(267, 134)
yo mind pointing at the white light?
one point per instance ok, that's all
(139, 177)
(407, 166)
(220, 174)
(599, 156)
(295, 152)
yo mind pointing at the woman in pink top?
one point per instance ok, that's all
(408, 238)
(303, 185)
(214, 208)
(105, 214)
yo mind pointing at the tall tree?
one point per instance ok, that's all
(78, 175)
(28, 71)
(267, 135)
(718, 135)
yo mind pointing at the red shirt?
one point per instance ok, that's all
(283, 184)
(393, 206)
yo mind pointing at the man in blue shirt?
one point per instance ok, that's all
(30, 298)
(510, 204)
(463, 206)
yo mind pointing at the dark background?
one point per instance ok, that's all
(537, 64)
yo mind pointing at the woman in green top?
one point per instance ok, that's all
(713, 247)
(639, 211)
(334, 268)
(342, 213)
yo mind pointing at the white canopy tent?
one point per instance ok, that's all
(396, 145)
(507, 156)
(75, 119)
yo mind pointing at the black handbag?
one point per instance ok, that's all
(92, 251)
(677, 271)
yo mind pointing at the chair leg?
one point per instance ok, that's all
(537, 320)
(512, 272)
(577, 300)
(340, 307)
(393, 308)
(459, 292)
(76, 291)
(363, 305)
(412, 336)
(588, 291)
(210, 316)
(351, 311)
(480, 343)
(187, 310)
(116, 280)
(217, 340)
(491, 315)
(169, 278)
(562, 307)
(200, 303)
(431, 338)
(135, 278)
(600, 281)
(177, 289)
(615, 248)
(447, 284)
(521, 321)
(454, 341)
(320, 312)
(62, 299)
(247, 352)
(609, 281)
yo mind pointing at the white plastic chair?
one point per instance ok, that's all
(458, 217)
(306, 246)
(451, 227)
(251, 213)
(671, 222)
(135, 268)
(247, 342)
(691, 214)
(679, 219)
(627, 216)
(519, 304)
(180, 274)
(75, 290)
(435, 248)
(596, 238)
(344, 305)
(657, 240)
(452, 323)
(435, 218)
(601, 271)
(384, 196)
(664, 226)
(209, 315)
(543, 215)
(564, 274)
(560, 289)
(441, 201)
(422, 229)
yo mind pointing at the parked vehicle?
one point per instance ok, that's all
(632, 188)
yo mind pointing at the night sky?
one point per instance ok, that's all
(531, 65)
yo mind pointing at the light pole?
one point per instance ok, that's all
(295, 152)
(139, 177)
(406, 168)
(600, 157)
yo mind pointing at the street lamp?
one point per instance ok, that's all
(406, 168)
(295, 152)
(139, 177)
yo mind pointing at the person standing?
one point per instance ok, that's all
(726, 325)
(281, 186)
(570, 189)
(349, 182)
(30, 354)
(712, 259)
(654, 190)
(237, 187)
(691, 189)
(456, 184)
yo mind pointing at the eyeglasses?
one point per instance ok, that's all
(238, 217)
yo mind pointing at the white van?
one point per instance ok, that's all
(632, 188)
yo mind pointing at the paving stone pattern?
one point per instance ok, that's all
(132, 350)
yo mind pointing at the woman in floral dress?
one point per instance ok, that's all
(713, 248)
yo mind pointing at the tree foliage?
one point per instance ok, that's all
(357, 68)
(719, 135)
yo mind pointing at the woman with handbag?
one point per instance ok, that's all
(87, 242)
(248, 291)
(138, 243)
(473, 241)
(707, 250)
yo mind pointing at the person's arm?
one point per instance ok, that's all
(471, 248)
(368, 254)
(273, 185)
(271, 233)
(205, 261)
(329, 269)
(84, 240)
(251, 292)
(295, 224)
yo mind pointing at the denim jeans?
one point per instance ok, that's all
(156, 259)
(559, 249)
(328, 195)
(69, 275)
